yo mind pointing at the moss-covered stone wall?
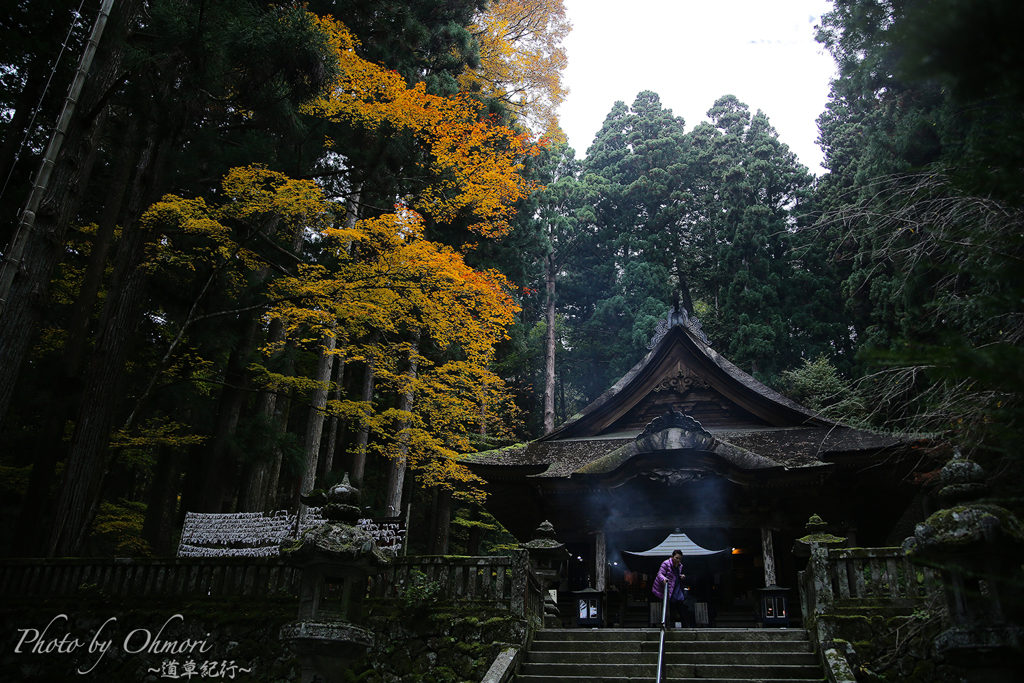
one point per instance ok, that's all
(889, 645)
(146, 641)
(436, 643)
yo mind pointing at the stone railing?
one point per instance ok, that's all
(504, 581)
(840, 583)
(534, 601)
(161, 577)
(855, 578)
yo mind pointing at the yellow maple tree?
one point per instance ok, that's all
(261, 201)
(388, 277)
(380, 274)
(522, 59)
(475, 162)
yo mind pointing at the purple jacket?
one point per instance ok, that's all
(667, 576)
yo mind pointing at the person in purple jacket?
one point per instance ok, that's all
(668, 575)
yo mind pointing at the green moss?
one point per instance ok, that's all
(497, 451)
(821, 538)
(443, 674)
(960, 526)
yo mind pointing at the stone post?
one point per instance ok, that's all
(600, 561)
(768, 552)
(816, 594)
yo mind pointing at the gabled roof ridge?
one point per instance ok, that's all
(675, 327)
(613, 391)
(762, 388)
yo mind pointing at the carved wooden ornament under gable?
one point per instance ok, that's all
(672, 477)
(681, 381)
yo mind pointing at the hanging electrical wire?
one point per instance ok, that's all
(76, 18)
(22, 233)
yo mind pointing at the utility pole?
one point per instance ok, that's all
(12, 261)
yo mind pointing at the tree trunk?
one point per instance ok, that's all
(351, 217)
(282, 407)
(549, 346)
(259, 491)
(40, 183)
(270, 502)
(66, 388)
(443, 521)
(561, 400)
(85, 303)
(327, 454)
(221, 464)
(396, 468)
(473, 541)
(363, 435)
(86, 466)
(161, 508)
(16, 130)
(254, 493)
(315, 421)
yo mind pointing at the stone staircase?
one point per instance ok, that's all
(691, 655)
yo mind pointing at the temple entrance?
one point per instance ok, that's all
(722, 583)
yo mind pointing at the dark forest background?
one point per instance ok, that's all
(158, 362)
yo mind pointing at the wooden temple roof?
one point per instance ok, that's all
(682, 413)
(750, 422)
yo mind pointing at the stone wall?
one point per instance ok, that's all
(438, 643)
(418, 637)
(890, 646)
(128, 577)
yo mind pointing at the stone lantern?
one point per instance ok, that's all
(817, 535)
(815, 544)
(546, 557)
(978, 548)
(546, 554)
(336, 558)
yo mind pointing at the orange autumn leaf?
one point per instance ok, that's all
(475, 162)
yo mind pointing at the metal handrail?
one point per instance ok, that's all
(661, 644)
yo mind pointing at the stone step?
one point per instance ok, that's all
(594, 646)
(695, 634)
(589, 672)
(719, 655)
(651, 645)
(649, 676)
(747, 672)
(671, 657)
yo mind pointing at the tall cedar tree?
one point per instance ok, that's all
(923, 146)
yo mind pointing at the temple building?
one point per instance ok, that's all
(686, 442)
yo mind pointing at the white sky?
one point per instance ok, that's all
(691, 52)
